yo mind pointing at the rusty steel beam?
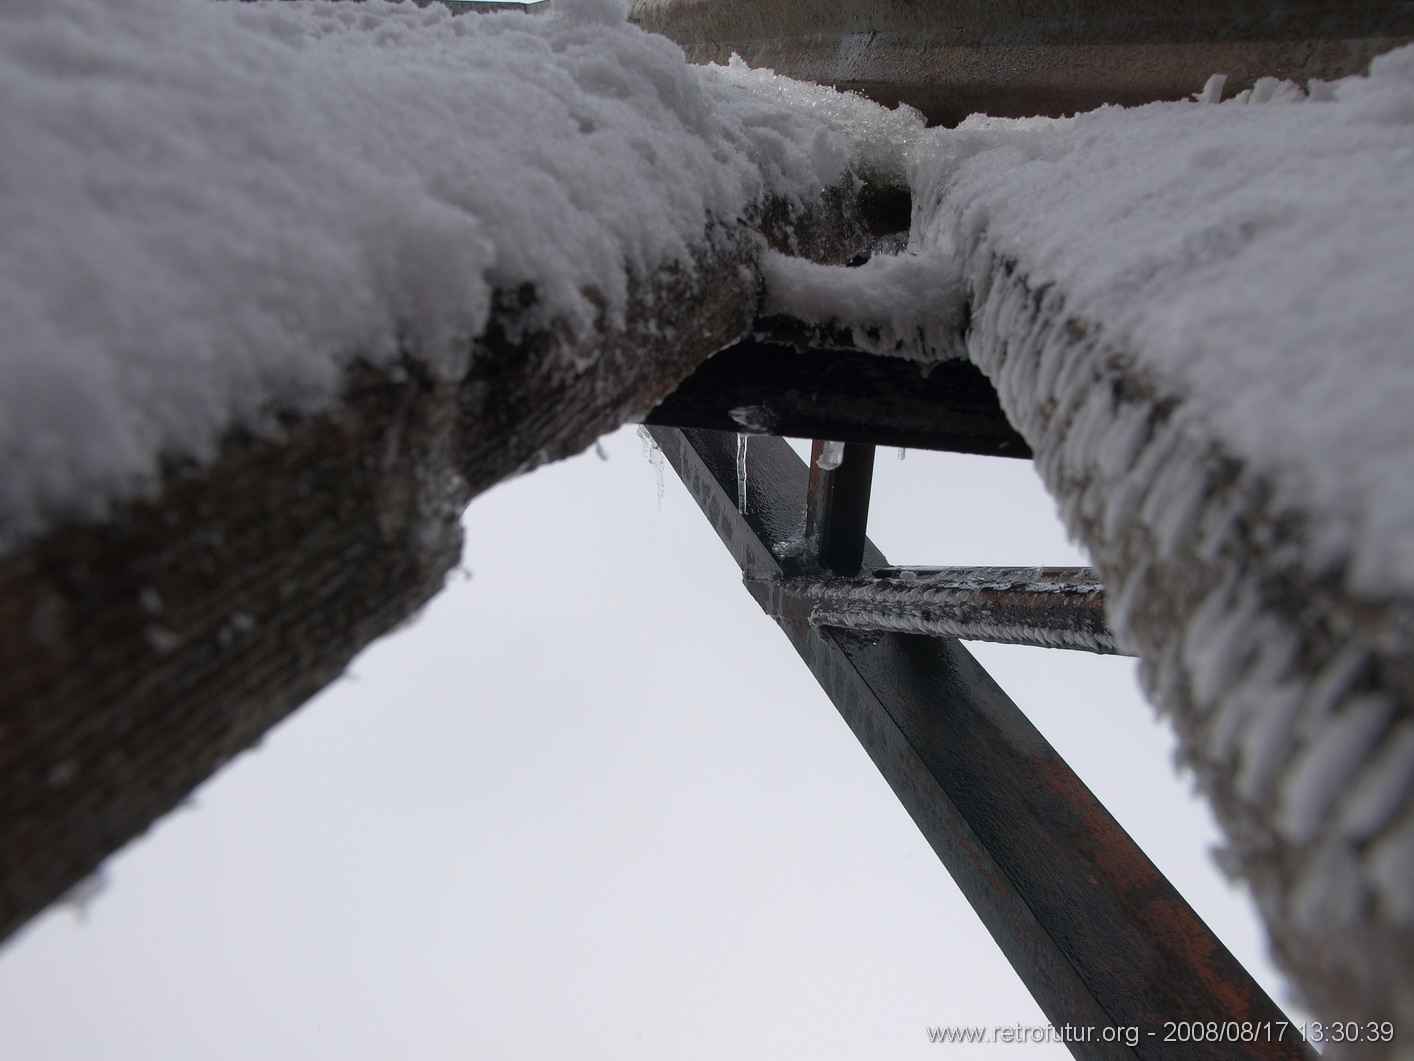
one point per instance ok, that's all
(1046, 607)
(1100, 938)
(845, 395)
(952, 58)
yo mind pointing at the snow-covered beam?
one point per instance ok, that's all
(142, 652)
(1198, 317)
(285, 286)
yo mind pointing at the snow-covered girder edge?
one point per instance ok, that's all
(140, 654)
(1290, 686)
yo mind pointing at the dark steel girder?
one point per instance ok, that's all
(1097, 934)
(843, 395)
(951, 59)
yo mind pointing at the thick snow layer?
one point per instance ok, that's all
(210, 209)
(902, 305)
(1254, 255)
(1199, 317)
(880, 141)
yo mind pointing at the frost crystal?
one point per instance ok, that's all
(831, 455)
(653, 453)
(757, 419)
(212, 209)
(742, 441)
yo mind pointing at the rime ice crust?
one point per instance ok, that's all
(1199, 318)
(212, 209)
(899, 305)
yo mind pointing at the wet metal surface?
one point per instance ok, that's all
(837, 509)
(1098, 935)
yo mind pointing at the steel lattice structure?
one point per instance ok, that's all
(1094, 930)
(326, 537)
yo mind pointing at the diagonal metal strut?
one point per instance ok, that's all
(1101, 939)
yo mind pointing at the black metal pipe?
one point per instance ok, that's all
(837, 506)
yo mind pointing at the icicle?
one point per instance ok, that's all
(831, 454)
(654, 454)
(902, 453)
(1212, 89)
(741, 443)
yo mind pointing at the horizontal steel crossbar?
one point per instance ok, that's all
(1047, 607)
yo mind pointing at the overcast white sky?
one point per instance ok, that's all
(592, 804)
